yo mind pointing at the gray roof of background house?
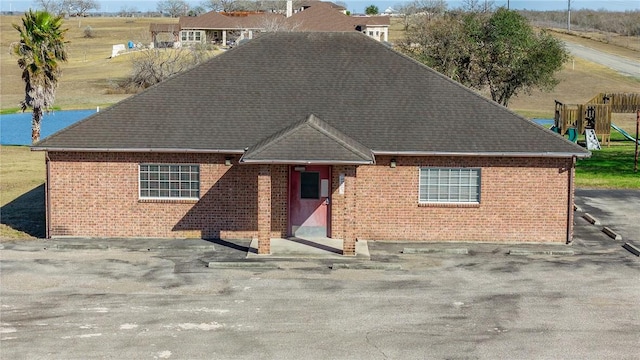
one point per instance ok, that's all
(360, 88)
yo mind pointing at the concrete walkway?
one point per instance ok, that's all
(312, 248)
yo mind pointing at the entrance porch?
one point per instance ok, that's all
(312, 248)
(321, 187)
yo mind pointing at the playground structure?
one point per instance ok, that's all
(593, 118)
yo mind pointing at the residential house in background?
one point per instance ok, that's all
(229, 28)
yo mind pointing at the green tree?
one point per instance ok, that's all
(371, 10)
(498, 52)
(40, 50)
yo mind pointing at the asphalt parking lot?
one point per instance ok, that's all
(157, 301)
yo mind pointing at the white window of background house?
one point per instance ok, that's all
(168, 181)
(449, 185)
(191, 35)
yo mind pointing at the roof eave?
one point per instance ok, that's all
(306, 162)
(485, 154)
(138, 150)
(222, 28)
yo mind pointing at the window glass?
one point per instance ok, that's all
(309, 185)
(449, 185)
(164, 181)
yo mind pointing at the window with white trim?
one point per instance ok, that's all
(449, 185)
(169, 181)
(191, 35)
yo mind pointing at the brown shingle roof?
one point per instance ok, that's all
(373, 20)
(215, 20)
(310, 3)
(321, 16)
(377, 97)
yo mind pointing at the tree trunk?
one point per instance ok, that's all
(35, 124)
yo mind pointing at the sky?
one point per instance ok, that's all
(358, 6)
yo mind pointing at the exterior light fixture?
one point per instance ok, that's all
(227, 161)
(393, 163)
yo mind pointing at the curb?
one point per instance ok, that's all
(526, 252)
(459, 251)
(591, 219)
(242, 265)
(79, 247)
(188, 248)
(612, 234)
(632, 249)
(378, 266)
(90, 246)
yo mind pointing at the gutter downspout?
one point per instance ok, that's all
(570, 197)
(47, 200)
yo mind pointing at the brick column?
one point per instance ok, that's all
(264, 210)
(571, 199)
(349, 232)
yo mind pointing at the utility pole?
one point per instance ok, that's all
(569, 16)
(507, 4)
(635, 166)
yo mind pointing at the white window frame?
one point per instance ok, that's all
(168, 181)
(191, 35)
(442, 185)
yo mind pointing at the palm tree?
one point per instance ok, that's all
(40, 50)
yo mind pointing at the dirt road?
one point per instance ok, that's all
(625, 66)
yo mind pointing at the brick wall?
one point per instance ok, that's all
(522, 200)
(96, 195)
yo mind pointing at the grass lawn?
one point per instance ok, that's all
(22, 175)
(88, 75)
(611, 167)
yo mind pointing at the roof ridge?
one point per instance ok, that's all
(263, 143)
(321, 127)
(338, 136)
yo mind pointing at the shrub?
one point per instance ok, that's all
(89, 33)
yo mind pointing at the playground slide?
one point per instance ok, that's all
(624, 133)
(571, 133)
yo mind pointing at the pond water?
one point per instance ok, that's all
(15, 129)
(543, 122)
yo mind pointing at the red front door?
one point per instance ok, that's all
(309, 203)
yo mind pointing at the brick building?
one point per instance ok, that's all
(310, 135)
